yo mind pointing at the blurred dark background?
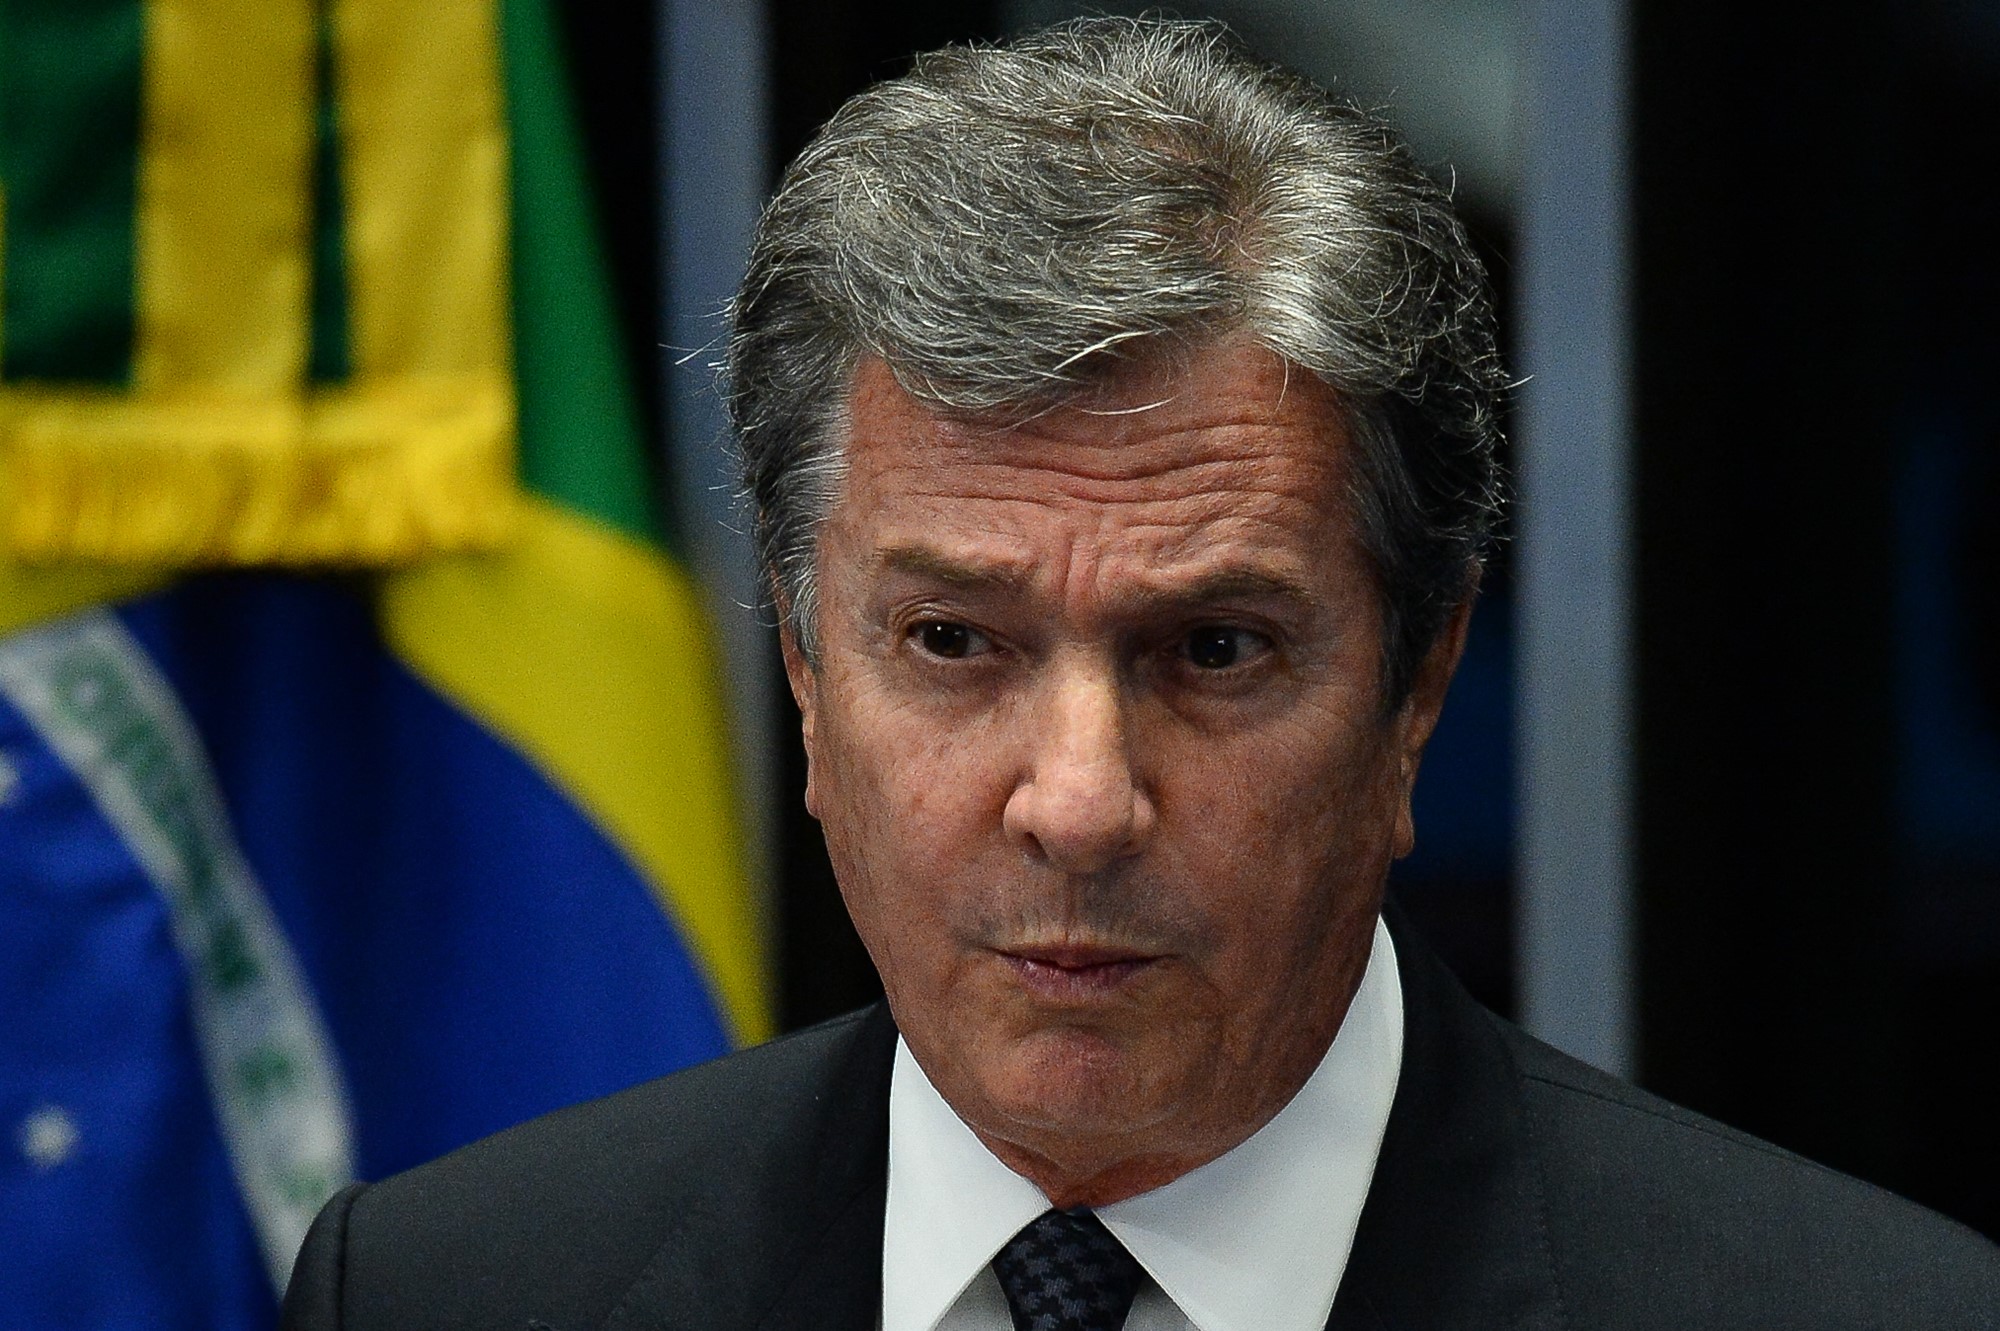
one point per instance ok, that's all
(1817, 562)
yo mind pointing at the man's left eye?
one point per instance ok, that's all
(1220, 646)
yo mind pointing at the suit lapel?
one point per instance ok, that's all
(835, 1281)
(837, 1285)
(1454, 1230)
(803, 1248)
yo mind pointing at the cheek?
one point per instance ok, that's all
(893, 780)
(1319, 816)
(900, 805)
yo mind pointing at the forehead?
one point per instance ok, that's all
(1234, 442)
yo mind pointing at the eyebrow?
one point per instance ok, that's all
(923, 562)
(1233, 584)
(1227, 584)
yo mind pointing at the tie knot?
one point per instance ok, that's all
(1065, 1272)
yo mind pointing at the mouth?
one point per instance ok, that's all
(1076, 972)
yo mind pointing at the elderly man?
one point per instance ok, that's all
(1120, 418)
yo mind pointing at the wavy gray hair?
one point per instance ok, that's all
(1005, 223)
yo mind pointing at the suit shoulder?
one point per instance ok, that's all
(706, 1115)
(555, 1218)
(1652, 1205)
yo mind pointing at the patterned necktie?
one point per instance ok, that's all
(1066, 1273)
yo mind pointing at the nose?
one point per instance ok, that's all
(1079, 804)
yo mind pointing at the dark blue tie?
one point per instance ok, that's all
(1065, 1272)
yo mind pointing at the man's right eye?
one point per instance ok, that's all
(945, 639)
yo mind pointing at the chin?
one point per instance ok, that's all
(1076, 1082)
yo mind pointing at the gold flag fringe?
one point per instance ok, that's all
(378, 475)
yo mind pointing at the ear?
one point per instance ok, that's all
(804, 680)
(1418, 716)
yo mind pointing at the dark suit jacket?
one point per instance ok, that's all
(1516, 1188)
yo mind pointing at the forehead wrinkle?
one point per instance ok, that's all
(1185, 527)
(1154, 590)
(1203, 490)
(1196, 451)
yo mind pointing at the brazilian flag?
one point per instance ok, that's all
(363, 773)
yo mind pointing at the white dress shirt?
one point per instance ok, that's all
(1255, 1240)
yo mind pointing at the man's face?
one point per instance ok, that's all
(1097, 741)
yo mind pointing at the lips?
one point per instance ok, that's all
(1074, 972)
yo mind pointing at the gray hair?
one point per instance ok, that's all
(1006, 223)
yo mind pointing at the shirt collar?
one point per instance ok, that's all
(1255, 1240)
